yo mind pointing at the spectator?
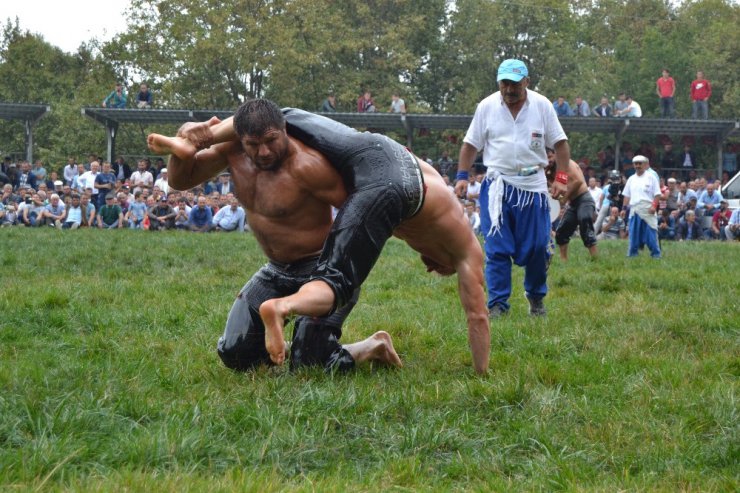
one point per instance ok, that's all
(613, 227)
(161, 183)
(182, 214)
(581, 107)
(26, 179)
(365, 103)
(77, 184)
(687, 160)
(10, 216)
(473, 192)
(230, 218)
(604, 109)
(732, 230)
(689, 229)
(224, 184)
(729, 159)
(633, 109)
(89, 212)
(445, 165)
(473, 216)
(141, 178)
(620, 104)
(39, 171)
(116, 99)
(104, 184)
(665, 86)
(398, 105)
(53, 214)
(709, 200)
(32, 211)
(158, 167)
(121, 169)
(667, 225)
(144, 97)
(701, 90)
(672, 195)
(562, 108)
(201, 217)
(88, 181)
(161, 216)
(110, 216)
(73, 216)
(70, 171)
(720, 220)
(596, 192)
(330, 104)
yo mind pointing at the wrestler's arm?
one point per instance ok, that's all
(471, 289)
(187, 166)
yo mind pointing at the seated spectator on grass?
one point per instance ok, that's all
(32, 212)
(720, 220)
(116, 99)
(8, 196)
(581, 107)
(182, 214)
(689, 229)
(89, 212)
(161, 216)
(201, 217)
(709, 200)
(110, 215)
(613, 227)
(144, 97)
(73, 216)
(604, 109)
(53, 214)
(562, 108)
(136, 212)
(732, 230)
(231, 217)
(667, 225)
(10, 216)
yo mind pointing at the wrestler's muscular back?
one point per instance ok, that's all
(286, 216)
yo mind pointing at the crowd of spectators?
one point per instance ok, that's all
(700, 91)
(110, 196)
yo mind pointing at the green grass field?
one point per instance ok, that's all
(109, 379)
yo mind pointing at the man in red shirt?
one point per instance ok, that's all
(701, 90)
(666, 88)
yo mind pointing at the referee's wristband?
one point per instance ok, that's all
(562, 177)
(462, 175)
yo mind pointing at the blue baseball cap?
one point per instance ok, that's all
(512, 69)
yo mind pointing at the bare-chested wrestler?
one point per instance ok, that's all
(391, 192)
(580, 208)
(288, 190)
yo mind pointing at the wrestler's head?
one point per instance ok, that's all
(260, 125)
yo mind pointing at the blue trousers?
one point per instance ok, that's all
(524, 238)
(640, 235)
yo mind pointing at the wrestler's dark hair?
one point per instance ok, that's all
(257, 116)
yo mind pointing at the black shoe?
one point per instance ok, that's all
(537, 307)
(497, 311)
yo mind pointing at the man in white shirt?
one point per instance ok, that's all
(87, 180)
(596, 192)
(162, 182)
(230, 218)
(70, 171)
(512, 127)
(640, 193)
(141, 178)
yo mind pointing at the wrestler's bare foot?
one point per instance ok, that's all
(384, 352)
(274, 319)
(162, 145)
